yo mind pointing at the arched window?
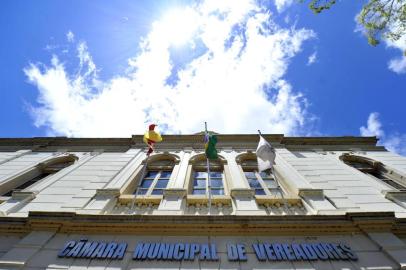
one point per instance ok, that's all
(263, 183)
(33, 175)
(199, 184)
(375, 169)
(157, 174)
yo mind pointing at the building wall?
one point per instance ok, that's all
(316, 183)
(39, 250)
(73, 188)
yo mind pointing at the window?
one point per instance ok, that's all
(27, 184)
(36, 173)
(199, 178)
(156, 176)
(154, 183)
(375, 169)
(262, 183)
(201, 183)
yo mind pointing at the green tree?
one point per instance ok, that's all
(380, 19)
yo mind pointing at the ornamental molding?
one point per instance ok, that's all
(395, 195)
(69, 222)
(47, 144)
(244, 192)
(304, 192)
(108, 192)
(178, 192)
(23, 195)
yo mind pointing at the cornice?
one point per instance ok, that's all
(66, 222)
(176, 141)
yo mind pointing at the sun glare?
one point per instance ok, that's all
(179, 25)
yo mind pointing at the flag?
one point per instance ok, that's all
(265, 155)
(210, 146)
(151, 137)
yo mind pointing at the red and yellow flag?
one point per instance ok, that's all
(151, 137)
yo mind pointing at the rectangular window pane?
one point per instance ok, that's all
(161, 184)
(165, 175)
(254, 183)
(151, 175)
(393, 184)
(157, 192)
(146, 183)
(275, 192)
(199, 191)
(216, 174)
(200, 174)
(217, 191)
(141, 191)
(259, 192)
(216, 183)
(250, 174)
(271, 183)
(199, 183)
(265, 175)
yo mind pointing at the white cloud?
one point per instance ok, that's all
(236, 84)
(393, 142)
(398, 64)
(374, 126)
(312, 58)
(70, 36)
(281, 5)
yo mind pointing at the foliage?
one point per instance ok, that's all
(380, 19)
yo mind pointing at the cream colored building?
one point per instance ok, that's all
(90, 203)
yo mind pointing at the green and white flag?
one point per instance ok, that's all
(210, 146)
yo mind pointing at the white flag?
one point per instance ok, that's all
(265, 155)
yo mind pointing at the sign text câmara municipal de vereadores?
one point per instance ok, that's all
(207, 252)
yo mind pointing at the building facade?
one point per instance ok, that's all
(91, 203)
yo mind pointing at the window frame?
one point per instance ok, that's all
(375, 170)
(158, 162)
(247, 162)
(267, 190)
(198, 163)
(206, 187)
(155, 180)
(43, 169)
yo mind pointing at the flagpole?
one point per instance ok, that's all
(208, 169)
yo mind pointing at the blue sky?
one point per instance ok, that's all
(103, 68)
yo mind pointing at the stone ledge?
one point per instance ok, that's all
(397, 195)
(204, 200)
(271, 201)
(11, 263)
(311, 192)
(113, 192)
(179, 192)
(247, 192)
(21, 195)
(139, 200)
(70, 222)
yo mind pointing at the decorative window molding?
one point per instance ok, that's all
(376, 170)
(147, 186)
(28, 178)
(266, 190)
(197, 185)
(262, 183)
